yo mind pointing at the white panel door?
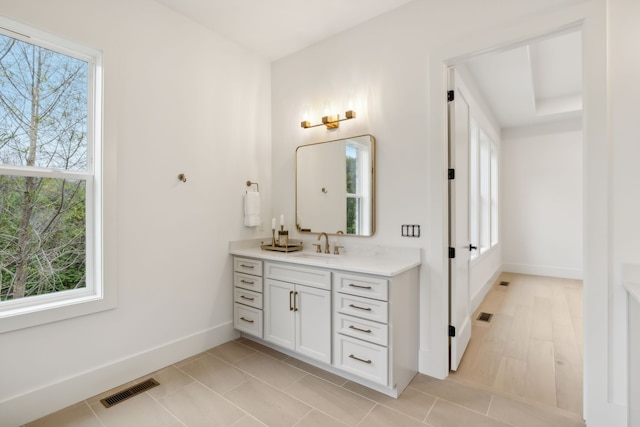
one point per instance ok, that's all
(459, 298)
(313, 322)
(279, 324)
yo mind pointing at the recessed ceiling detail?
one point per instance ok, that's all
(537, 83)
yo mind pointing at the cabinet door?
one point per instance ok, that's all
(278, 313)
(313, 322)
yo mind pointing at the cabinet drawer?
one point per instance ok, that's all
(300, 275)
(361, 358)
(247, 281)
(247, 265)
(243, 296)
(364, 329)
(370, 287)
(362, 307)
(247, 319)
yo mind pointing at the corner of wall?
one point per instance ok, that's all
(53, 397)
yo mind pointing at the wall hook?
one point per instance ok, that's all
(182, 177)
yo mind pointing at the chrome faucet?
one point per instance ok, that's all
(326, 245)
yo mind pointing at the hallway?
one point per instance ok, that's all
(532, 347)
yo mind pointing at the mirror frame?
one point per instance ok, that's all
(373, 186)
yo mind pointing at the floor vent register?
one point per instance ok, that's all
(485, 317)
(128, 393)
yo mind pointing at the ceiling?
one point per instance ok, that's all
(277, 28)
(532, 84)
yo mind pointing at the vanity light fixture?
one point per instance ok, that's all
(331, 122)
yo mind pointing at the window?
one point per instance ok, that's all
(358, 158)
(354, 198)
(483, 190)
(49, 171)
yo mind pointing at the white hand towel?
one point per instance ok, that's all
(252, 209)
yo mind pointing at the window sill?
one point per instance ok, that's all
(29, 315)
(484, 253)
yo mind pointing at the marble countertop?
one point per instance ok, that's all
(382, 262)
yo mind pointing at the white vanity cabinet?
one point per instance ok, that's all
(354, 316)
(297, 309)
(247, 295)
(376, 327)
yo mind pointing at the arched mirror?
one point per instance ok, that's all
(335, 186)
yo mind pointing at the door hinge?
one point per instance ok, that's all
(452, 331)
(450, 95)
(451, 174)
(452, 252)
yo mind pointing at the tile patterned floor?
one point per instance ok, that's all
(244, 384)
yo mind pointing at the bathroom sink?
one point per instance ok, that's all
(315, 256)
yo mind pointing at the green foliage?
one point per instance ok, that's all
(56, 244)
(352, 203)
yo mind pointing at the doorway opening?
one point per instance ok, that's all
(531, 94)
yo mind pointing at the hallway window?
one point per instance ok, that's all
(49, 197)
(483, 190)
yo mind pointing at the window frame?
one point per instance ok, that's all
(484, 228)
(95, 296)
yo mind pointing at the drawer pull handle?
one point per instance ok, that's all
(247, 298)
(359, 286)
(368, 331)
(247, 282)
(360, 308)
(246, 320)
(290, 301)
(360, 360)
(247, 266)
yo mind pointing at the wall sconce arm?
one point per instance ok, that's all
(331, 122)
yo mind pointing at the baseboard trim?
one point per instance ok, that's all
(30, 406)
(537, 270)
(477, 299)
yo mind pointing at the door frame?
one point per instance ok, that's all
(591, 17)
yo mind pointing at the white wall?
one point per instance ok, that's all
(178, 99)
(541, 199)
